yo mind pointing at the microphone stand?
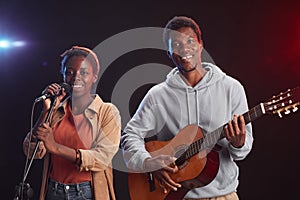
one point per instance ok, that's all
(23, 190)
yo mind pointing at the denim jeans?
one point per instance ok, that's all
(60, 191)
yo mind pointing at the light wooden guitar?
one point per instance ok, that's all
(197, 154)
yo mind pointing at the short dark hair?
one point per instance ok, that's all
(178, 22)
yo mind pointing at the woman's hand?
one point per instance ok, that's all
(54, 90)
(45, 134)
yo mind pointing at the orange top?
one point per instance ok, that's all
(74, 132)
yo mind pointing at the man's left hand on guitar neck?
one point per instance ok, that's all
(235, 131)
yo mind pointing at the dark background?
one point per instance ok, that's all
(257, 42)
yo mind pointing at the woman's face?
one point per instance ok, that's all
(79, 75)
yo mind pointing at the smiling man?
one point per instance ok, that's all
(197, 94)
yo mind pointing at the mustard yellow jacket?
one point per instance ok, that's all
(106, 129)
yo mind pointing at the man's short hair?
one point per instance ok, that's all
(178, 22)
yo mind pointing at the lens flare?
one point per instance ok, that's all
(5, 44)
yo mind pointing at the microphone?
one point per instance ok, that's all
(64, 86)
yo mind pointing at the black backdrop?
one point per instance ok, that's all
(257, 42)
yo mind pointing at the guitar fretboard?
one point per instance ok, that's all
(210, 139)
(254, 113)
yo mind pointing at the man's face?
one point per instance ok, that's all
(184, 48)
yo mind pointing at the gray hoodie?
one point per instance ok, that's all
(170, 106)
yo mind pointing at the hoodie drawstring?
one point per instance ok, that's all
(188, 105)
(197, 108)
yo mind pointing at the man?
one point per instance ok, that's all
(196, 93)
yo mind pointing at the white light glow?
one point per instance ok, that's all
(5, 44)
(18, 43)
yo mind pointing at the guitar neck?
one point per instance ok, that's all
(254, 113)
(210, 139)
(284, 102)
(249, 116)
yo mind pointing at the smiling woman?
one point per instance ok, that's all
(82, 137)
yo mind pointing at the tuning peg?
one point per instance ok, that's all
(295, 108)
(279, 114)
(287, 111)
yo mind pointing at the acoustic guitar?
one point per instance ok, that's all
(197, 153)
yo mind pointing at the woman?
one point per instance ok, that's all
(82, 135)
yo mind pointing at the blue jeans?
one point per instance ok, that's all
(79, 191)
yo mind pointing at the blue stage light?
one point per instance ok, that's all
(18, 43)
(5, 44)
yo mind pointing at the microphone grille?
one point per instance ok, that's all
(66, 87)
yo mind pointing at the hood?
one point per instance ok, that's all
(213, 75)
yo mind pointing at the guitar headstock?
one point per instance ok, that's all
(285, 102)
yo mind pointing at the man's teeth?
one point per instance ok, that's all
(187, 57)
(77, 86)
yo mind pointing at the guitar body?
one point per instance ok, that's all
(198, 171)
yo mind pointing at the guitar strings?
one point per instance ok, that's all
(209, 140)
